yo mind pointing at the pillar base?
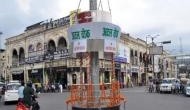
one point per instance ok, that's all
(100, 108)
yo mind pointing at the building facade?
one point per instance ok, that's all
(2, 64)
(42, 54)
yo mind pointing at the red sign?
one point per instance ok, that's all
(84, 17)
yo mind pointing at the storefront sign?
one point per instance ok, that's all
(134, 69)
(17, 72)
(57, 23)
(58, 55)
(34, 71)
(117, 66)
(79, 46)
(34, 59)
(61, 54)
(94, 30)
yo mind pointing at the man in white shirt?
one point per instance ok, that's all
(60, 87)
(20, 92)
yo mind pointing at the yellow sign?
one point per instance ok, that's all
(73, 15)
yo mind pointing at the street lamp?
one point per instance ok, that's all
(154, 46)
(152, 38)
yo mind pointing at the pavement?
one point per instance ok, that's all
(137, 99)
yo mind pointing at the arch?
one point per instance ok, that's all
(62, 43)
(51, 46)
(14, 53)
(14, 57)
(39, 46)
(21, 55)
(30, 48)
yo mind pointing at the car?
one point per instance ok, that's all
(187, 89)
(11, 93)
(167, 85)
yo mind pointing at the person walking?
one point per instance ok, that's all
(28, 92)
(60, 88)
(20, 92)
(2, 94)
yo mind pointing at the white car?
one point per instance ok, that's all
(11, 93)
(167, 85)
(187, 89)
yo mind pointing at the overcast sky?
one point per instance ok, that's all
(168, 18)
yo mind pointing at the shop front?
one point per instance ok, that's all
(134, 75)
(18, 75)
(35, 75)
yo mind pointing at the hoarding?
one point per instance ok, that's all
(156, 50)
(123, 54)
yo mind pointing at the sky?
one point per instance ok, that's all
(140, 18)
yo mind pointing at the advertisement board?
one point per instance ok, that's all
(156, 50)
(110, 46)
(80, 46)
(123, 54)
(94, 30)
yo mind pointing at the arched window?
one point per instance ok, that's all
(39, 47)
(14, 57)
(51, 46)
(30, 48)
(21, 56)
(62, 44)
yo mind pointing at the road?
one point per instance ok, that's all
(137, 99)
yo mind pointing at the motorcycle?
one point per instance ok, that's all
(35, 105)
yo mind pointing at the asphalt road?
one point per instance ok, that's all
(137, 99)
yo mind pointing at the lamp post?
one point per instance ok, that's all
(152, 45)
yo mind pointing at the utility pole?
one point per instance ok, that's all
(93, 5)
(0, 38)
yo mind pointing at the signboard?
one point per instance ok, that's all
(57, 23)
(94, 16)
(79, 46)
(110, 46)
(84, 17)
(156, 50)
(123, 54)
(134, 69)
(34, 59)
(94, 30)
(17, 72)
(58, 55)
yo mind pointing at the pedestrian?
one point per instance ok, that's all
(28, 92)
(2, 94)
(177, 87)
(61, 88)
(20, 92)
